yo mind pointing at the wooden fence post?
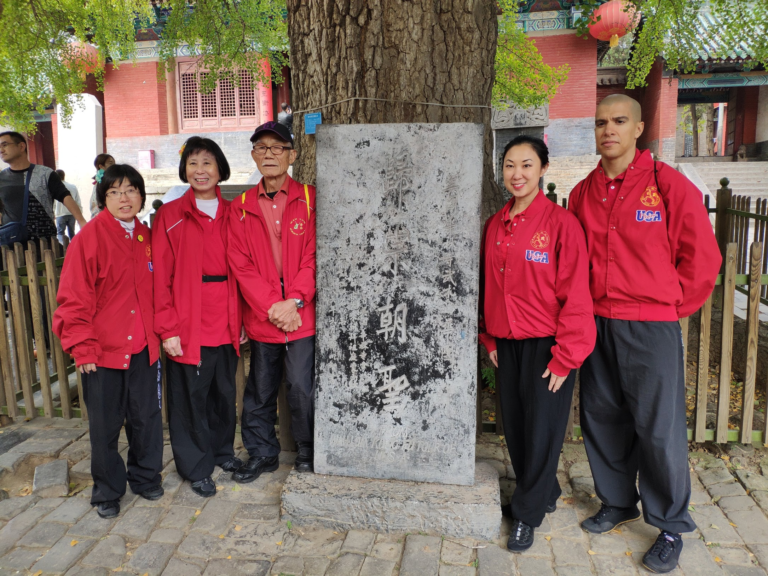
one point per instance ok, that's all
(39, 326)
(56, 349)
(18, 251)
(19, 319)
(753, 325)
(722, 227)
(726, 344)
(702, 378)
(551, 194)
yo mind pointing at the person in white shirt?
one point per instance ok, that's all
(64, 219)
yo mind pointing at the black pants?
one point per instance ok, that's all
(131, 396)
(201, 411)
(260, 398)
(633, 420)
(535, 420)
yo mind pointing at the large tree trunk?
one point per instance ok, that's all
(439, 51)
(695, 129)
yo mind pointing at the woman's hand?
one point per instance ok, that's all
(243, 336)
(172, 346)
(86, 368)
(494, 356)
(555, 381)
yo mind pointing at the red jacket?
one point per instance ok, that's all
(250, 257)
(534, 273)
(652, 253)
(178, 240)
(103, 273)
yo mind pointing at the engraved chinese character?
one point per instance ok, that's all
(396, 237)
(446, 274)
(391, 323)
(392, 387)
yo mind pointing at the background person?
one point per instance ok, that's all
(65, 222)
(197, 315)
(537, 327)
(102, 162)
(45, 186)
(104, 320)
(285, 117)
(272, 254)
(653, 260)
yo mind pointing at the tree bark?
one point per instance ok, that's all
(695, 129)
(709, 128)
(436, 51)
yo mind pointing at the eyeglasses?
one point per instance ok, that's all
(117, 194)
(260, 149)
(4, 145)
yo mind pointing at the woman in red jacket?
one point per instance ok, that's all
(537, 327)
(104, 320)
(197, 314)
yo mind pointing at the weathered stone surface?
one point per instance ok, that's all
(179, 517)
(359, 541)
(12, 507)
(345, 565)
(51, 479)
(87, 571)
(289, 565)
(569, 552)
(70, 511)
(63, 555)
(19, 526)
(11, 438)
(751, 525)
(108, 553)
(137, 523)
(447, 570)
(178, 567)
(495, 561)
(92, 526)
(535, 567)
(580, 470)
(695, 560)
(81, 472)
(736, 503)
(395, 506)
(714, 526)
(715, 476)
(421, 556)
(752, 481)
(743, 571)
(456, 552)
(167, 536)
(150, 558)
(48, 442)
(389, 546)
(377, 567)
(725, 489)
(76, 452)
(257, 512)
(21, 558)
(214, 519)
(12, 461)
(400, 230)
(583, 487)
(44, 535)
(237, 568)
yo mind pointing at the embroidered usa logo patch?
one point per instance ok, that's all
(536, 256)
(648, 216)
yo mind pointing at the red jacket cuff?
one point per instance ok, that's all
(558, 368)
(488, 341)
(88, 359)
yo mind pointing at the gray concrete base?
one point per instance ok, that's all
(344, 503)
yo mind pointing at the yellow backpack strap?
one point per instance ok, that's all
(242, 201)
(306, 195)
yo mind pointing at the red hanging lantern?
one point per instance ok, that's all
(615, 21)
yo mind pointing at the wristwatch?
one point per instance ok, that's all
(299, 303)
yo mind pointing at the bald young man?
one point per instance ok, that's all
(653, 260)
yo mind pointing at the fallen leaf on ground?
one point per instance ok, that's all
(221, 535)
(197, 512)
(238, 528)
(591, 552)
(219, 488)
(718, 559)
(236, 488)
(279, 543)
(229, 557)
(732, 524)
(628, 553)
(715, 527)
(73, 542)
(547, 538)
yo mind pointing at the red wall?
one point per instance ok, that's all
(134, 101)
(576, 97)
(604, 91)
(659, 108)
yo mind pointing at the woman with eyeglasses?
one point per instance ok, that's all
(105, 320)
(198, 317)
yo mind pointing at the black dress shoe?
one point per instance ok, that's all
(154, 493)
(254, 468)
(521, 537)
(662, 557)
(205, 487)
(305, 459)
(108, 509)
(231, 465)
(608, 518)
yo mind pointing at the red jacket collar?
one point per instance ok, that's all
(249, 200)
(189, 205)
(538, 204)
(643, 160)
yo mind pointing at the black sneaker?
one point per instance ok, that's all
(154, 493)
(521, 537)
(254, 468)
(108, 509)
(305, 459)
(663, 555)
(205, 487)
(231, 465)
(608, 518)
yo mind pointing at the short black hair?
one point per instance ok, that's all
(60, 174)
(16, 137)
(101, 160)
(114, 176)
(198, 144)
(536, 143)
(284, 105)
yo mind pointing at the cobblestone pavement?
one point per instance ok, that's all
(48, 527)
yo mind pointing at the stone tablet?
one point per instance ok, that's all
(398, 236)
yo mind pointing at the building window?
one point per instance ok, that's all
(227, 107)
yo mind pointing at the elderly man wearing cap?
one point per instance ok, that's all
(272, 254)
